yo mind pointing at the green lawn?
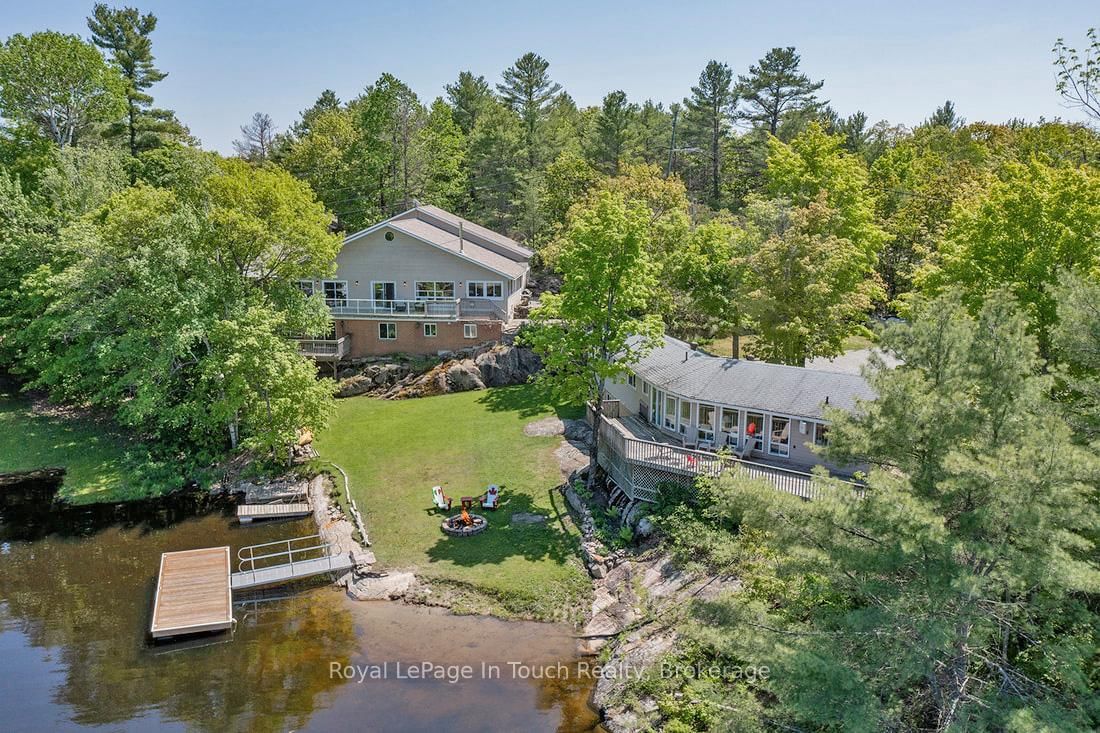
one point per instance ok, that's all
(395, 451)
(93, 455)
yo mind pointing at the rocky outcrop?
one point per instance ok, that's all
(496, 366)
(505, 365)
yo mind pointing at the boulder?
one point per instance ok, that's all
(357, 385)
(505, 365)
(578, 431)
(464, 376)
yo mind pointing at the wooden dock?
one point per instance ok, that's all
(249, 512)
(193, 593)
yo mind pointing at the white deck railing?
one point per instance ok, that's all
(438, 309)
(325, 348)
(672, 459)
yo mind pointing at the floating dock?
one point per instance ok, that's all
(195, 587)
(249, 512)
(193, 593)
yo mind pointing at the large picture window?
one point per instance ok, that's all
(434, 290)
(482, 289)
(670, 412)
(779, 443)
(336, 292)
(685, 416)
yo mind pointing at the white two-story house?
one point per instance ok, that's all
(422, 282)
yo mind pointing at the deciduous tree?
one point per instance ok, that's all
(597, 327)
(59, 85)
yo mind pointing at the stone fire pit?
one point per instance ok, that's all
(457, 527)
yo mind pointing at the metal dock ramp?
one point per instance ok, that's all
(301, 557)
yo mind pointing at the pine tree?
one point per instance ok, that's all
(528, 90)
(125, 33)
(711, 106)
(611, 141)
(468, 97)
(775, 89)
(945, 116)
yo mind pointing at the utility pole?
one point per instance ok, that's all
(672, 140)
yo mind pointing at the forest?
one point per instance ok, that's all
(152, 280)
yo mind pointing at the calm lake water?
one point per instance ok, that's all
(76, 591)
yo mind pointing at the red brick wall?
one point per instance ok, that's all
(410, 336)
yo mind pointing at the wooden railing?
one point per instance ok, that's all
(689, 463)
(325, 348)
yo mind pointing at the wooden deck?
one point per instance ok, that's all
(249, 512)
(193, 593)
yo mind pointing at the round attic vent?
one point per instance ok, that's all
(389, 236)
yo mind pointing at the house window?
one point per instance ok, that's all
(482, 289)
(336, 292)
(386, 292)
(685, 416)
(430, 330)
(670, 412)
(655, 406)
(469, 330)
(755, 421)
(706, 422)
(821, 434)
(387, 331)
(306, 286)
(730, 422)
(779, 443)
(632, 380)
(645, 387)
(435, 290)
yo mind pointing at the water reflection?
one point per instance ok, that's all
(75, 596)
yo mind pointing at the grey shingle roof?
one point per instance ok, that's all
(469, 250)
(473, 230)
(787, 390)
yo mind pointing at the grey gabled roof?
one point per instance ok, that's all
(440, 228)
(676, 367)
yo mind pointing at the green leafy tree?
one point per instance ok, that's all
(651, 132)
(565, 182)
(953, 593)
(528, 90)
(1077, 351)
(814, 169)
(391, 116)
(1035, 220)
(58, 85)
(125, 33)
(810, 287)
(263, 226)
(611, 142)
(712, 269)
(468, 97)
(710, 108)
(775, 89)
(596, 327)
(438, 157)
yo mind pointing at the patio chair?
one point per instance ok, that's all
(441, 500)
(491, 498)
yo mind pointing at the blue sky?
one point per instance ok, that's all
(228, 60)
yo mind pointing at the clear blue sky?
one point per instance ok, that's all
(227, 60)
